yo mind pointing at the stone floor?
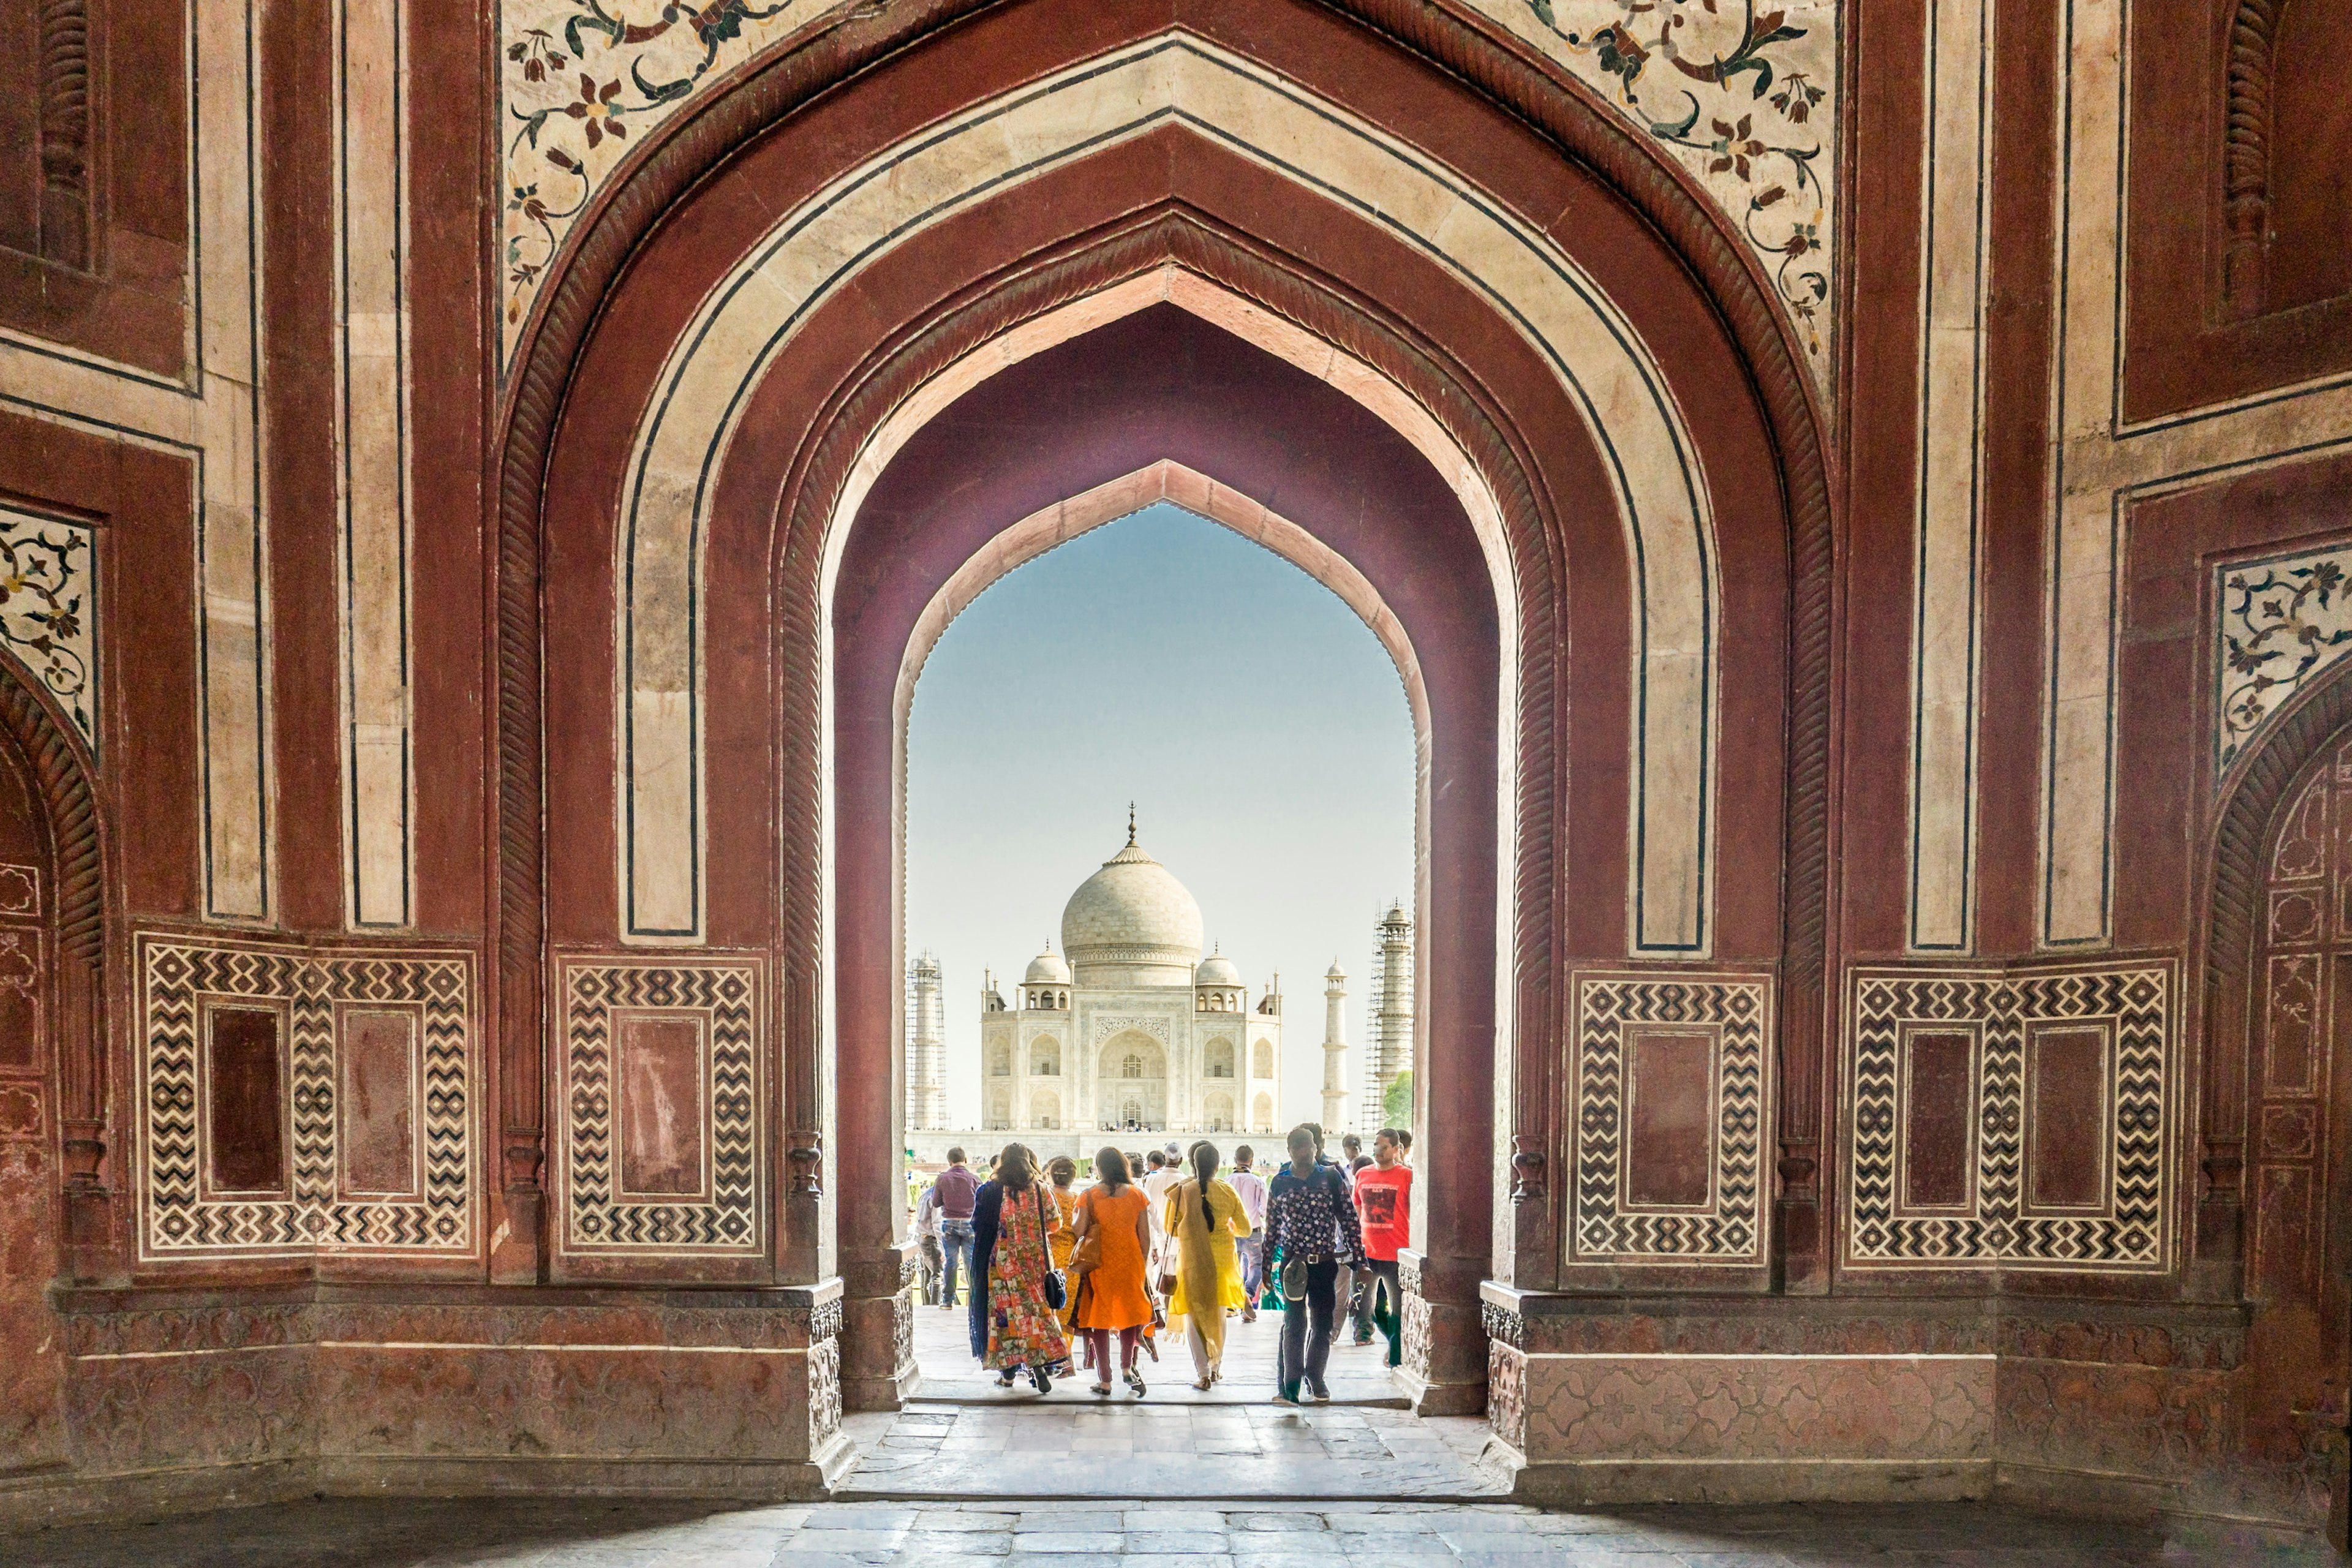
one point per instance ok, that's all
(1358, 1374)
(963, 1435)
(558, 1533)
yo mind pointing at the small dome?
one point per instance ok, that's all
(1335, 972)
(1047, 969)
(1132, 923)
(1217, 970)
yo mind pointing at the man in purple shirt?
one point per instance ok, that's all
(956, 1187)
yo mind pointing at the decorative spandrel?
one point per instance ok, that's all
(2281, 620)
(48, 610)
(1745, 100)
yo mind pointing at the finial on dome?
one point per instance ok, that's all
(1130, 824)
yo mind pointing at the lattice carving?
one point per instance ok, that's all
(179, 1218)
(1605, 1226)
(726, 993)
(2127, 1230)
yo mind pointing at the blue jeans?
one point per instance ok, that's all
(955, 1241)
(1252, 1249)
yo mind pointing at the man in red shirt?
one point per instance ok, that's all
(1384, 1209)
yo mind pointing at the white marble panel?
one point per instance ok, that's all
(1951, 381)
(371, 200)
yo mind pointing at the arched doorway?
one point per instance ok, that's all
(2297, 1091)
(1131, 1080)
(1166, 295)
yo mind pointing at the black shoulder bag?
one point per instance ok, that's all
(1057, 1285)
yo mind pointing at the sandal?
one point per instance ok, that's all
(1203, 1384)
(1005, 1379)
(1102, 1391)
(1043, 1380)
(1135, 1382)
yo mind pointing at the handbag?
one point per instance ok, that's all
(1057, 1285)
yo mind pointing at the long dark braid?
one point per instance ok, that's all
(1205, 1166)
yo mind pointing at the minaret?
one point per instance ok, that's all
(1389, 1050)
(927, 1096)
(1335, 1049)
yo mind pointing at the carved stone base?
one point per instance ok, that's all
(2094, 1407)
(202, 1398)
(878, 1368)
(1443, 1345)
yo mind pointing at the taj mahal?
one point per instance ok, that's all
(1128, 1029)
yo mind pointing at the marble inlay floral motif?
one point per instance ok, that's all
(584, 79)
(1745, 100)
(2281, 620)
(48, 610)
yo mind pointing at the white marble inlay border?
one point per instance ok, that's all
(374, 544)
(1179, 80)
(1947, 612)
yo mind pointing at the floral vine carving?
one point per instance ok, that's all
(47, 618)
(2282, 621)
(1745, 100)
(578, 75)
(1743, 96)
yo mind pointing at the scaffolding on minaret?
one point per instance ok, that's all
(1388, 1039)
(927, 1096)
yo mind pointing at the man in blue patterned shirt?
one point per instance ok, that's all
(1312, 1234)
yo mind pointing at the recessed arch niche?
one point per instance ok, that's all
(851, 415)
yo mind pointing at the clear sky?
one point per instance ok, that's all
(1257, 725)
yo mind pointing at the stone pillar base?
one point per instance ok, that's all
(1444, 1347)
(878, 1368)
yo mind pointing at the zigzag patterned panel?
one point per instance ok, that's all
(2127, 1230)
(1604, 1226)
(726, 993)
(177, 976)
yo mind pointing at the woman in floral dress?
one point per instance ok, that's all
(1023, 1334)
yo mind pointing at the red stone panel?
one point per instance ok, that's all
(1670, 1119)
(2309, 250)
(377, 1066)
(2066, 1100)
(1940, 1102)
(93, 177)
(245, 1095)
(661, 1082)
(2238, 278)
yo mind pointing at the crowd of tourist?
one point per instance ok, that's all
(1057, 1278)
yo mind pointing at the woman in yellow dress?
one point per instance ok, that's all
(1060, 1172)
(1204, 1218)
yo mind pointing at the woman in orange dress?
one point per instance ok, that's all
(1114, 1237)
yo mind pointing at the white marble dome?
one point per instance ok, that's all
(1132, 923)
(1217, 970)
(1047, 969)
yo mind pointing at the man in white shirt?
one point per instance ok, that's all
(1161, 1175)
(1250, 1188)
